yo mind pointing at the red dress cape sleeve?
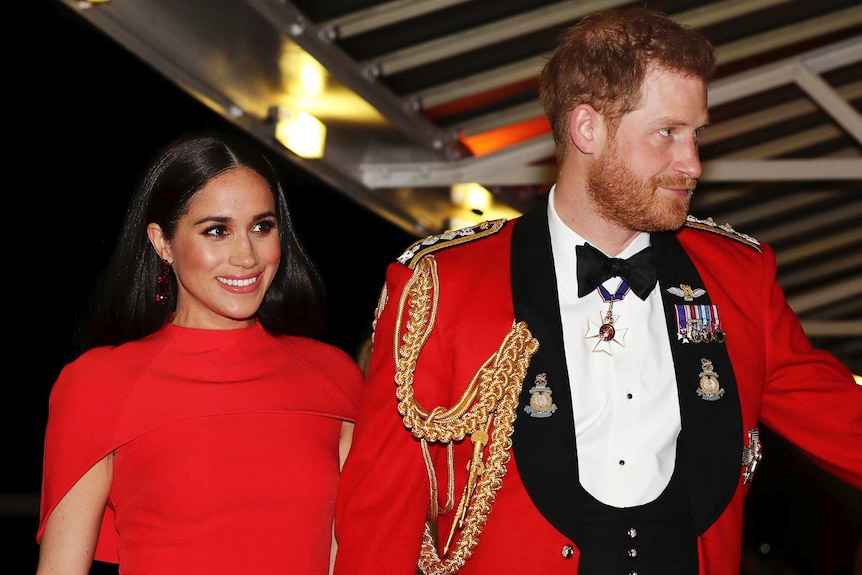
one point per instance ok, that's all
(110, 396)
(335, 366)
(84, 408)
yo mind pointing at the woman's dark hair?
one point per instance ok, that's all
(125, 307)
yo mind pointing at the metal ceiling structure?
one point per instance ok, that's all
(424, 94)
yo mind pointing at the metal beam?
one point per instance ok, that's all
(285, 17)
(483, 36)
(782, 170)
(380, 15)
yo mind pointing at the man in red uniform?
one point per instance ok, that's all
(535, 406)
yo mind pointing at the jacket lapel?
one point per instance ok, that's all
(544, 447)
(709, 451)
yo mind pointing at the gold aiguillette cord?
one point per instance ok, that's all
(489, 403)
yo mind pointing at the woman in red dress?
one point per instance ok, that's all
(203, 428)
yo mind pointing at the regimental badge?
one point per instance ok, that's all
(541, 403)
(751, 455)
(709, 389)
(698, 324)
(686, 292)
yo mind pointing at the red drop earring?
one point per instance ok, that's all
(163, 295)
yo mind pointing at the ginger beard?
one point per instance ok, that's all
(623, 199)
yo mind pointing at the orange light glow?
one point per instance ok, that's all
(493, 140)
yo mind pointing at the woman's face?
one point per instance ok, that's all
(225, 252)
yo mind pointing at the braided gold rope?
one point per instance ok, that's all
(491, 399)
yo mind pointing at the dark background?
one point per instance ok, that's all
(86, 117)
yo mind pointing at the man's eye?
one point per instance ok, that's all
(666, 132)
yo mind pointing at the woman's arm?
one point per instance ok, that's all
(344, 441)
(72, 530)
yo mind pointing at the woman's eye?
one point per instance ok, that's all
(217, 231)
(265, 226)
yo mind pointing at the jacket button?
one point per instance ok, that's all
(568, 551)
(632, 532)
(632, 552)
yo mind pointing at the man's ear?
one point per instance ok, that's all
(586, 128)
(159, 241)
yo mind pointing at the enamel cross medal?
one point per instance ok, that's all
(607, 333)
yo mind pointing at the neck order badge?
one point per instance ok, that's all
(638, 274)
(606, 333)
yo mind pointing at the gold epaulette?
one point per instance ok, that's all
(709, 225)
(448, 239)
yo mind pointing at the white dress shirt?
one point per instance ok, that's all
(625, 402)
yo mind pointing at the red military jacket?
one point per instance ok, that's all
(497, 275)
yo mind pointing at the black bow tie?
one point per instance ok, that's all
(594, 267)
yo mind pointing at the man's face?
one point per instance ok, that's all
(645, 175)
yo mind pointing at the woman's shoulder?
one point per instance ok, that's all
(330, 360)
(100, 368)
(94, 359)
(116, 355)
(314, 350)
(90, 379)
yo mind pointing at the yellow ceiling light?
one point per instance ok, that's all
(304, 81)
(474, 204)
(302, 76)
(470, 196)
(300, 132)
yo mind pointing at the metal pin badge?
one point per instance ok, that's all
(709, 388)
(751, 455)
(686, 292)
(541, 404)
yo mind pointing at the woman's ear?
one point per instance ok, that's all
(586, 128)
(159, 241)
